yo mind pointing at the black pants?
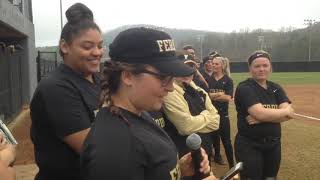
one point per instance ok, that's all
(224, 134)
(206, 144)
(261, 158)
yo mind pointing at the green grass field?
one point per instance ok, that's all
(287, 78)
(300, 140)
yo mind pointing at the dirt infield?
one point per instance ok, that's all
(306, 100)
(21, 132)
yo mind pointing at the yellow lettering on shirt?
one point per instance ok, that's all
(175, 172)
(160, 121)
(216, 90)
(271, 106)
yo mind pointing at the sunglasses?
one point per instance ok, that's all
(165, 79)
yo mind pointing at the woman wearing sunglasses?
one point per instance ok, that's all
(124, 143)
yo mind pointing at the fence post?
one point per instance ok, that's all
(38, 67)
(56, 60)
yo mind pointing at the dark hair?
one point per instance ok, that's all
(80, 18)
(205, 59)
(110, 78)
(257, 54)
(186, 47)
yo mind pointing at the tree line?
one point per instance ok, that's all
(287, 44)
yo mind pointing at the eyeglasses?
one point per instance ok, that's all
(208, 62)
(165, 79)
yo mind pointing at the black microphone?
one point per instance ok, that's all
(194, 143)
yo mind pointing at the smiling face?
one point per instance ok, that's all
(83, 54)
(260, 69)
(217, 65)
(146, 91)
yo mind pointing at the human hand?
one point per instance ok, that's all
(214, 96)
(211, 177)
(186, 164)
(3, 142)
(290, 111)
(251, 120)
(221, 93)
(7, 151)
(6, 173)
(236, 177)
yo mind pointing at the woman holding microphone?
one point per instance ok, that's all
(124, 143)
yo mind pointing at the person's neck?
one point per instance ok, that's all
(218, 75)
(208, 72)
(88, 77)
(262, 83)
(123, 101)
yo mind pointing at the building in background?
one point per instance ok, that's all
(17, 56)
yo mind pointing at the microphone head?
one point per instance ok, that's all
(193, 141)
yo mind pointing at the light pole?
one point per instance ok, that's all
(309, 23)
(61, 21)
(201, 43)
(261, 41)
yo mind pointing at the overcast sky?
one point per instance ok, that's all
(211, 15)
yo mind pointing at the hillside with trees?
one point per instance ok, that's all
(288, 44)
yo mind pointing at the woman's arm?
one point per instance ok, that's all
(7, 151)
(177, 110)
(201, 78)
(261, 114)
(75, 140)
(225, 96)
(220, 96)
(68, 115)
(6, 172)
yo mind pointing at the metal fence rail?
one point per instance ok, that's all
(313, 66)
(10, 84)
(46, 62)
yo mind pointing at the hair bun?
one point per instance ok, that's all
(78, 12)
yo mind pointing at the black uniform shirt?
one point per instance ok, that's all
(128, 147)
(197, 80)
(159, 118)
(248, 93)
(225, 85)
(62, 104)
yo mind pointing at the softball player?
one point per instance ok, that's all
(123, 144)
(63, 105)
(221, 92)
(261, 105)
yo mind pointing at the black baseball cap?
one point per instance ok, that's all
(214, 54)
(148, 46)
